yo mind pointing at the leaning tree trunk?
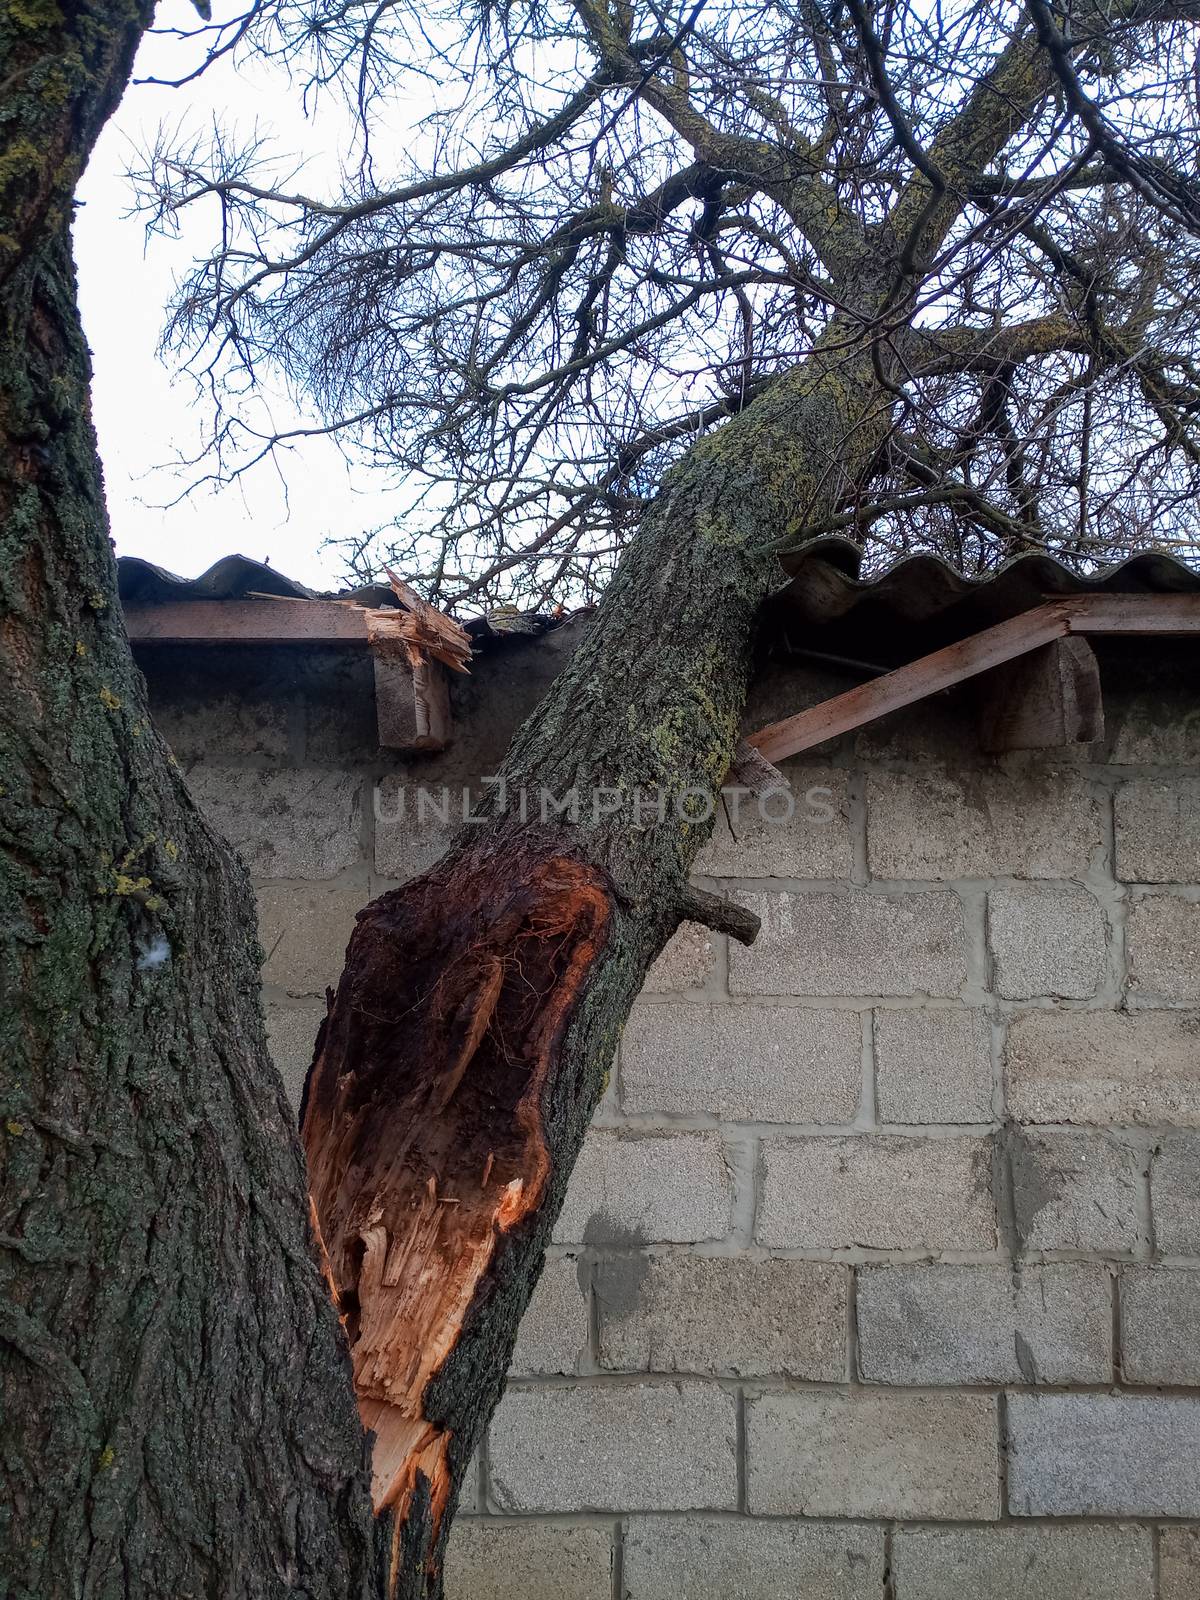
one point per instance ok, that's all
(176, 1411)
(471, 1033)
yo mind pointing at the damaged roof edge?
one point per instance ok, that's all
(237, 577)
(825, 584)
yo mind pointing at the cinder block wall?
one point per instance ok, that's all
(880, 1273)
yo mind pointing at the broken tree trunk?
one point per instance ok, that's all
(471, 1033)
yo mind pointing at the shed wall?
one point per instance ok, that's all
(880, 1272)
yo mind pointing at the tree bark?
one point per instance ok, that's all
(471, 1033)
(176, 1411)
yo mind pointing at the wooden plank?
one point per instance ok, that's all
(412, 704)
(431, 706)
(1135, 613)
(916, 681)
(1044, 700)
(247, 622)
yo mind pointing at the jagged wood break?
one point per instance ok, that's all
(423, 1126)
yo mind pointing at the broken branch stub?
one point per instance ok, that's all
(722, 916)
(424, 1130)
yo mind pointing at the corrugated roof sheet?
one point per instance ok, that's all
(236, 577)
(232, 578)
(826, 583)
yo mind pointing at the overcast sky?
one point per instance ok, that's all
(146, 415)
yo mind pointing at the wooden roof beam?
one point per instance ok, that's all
(1171, 614)
(268, 621)
(412, 697)
(1044, 700)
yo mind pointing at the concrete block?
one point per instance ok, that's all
(927, 1456)
(688, 1558)
(942, 730)
(1104, 1066)
(1150, 708)
(1158, 830)
(742, 1063)
(967, 1325)
(409, 834)
(1099, 1455)
(1046, 941)
(780, 688)
(1160, 1313)
(291, 1035)
(803, 832)
(1179, 1563)
(1154, 738)
(285, 823)
(1175, 1194)
(646, 1188)
(1039, 823)
(883, 1192)
(645, 1447)
(341, 715)
(722, 1316)
(487, 1559)
(304, 929)
(1076, 1191)
(554, 1330)
(1163, 940)
(685, 963)
(852, 944)
(226, 725)
(1050, 1563)
(933, 1066)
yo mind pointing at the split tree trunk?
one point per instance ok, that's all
(178, 1417)
(469, 1038)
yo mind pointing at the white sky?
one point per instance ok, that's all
(145, 415)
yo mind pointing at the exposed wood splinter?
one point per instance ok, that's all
(423, 1124)
(424, 630)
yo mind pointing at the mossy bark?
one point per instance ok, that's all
(476, 1020)
(176, 1411)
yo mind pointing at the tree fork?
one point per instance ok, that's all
(179, 1416)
